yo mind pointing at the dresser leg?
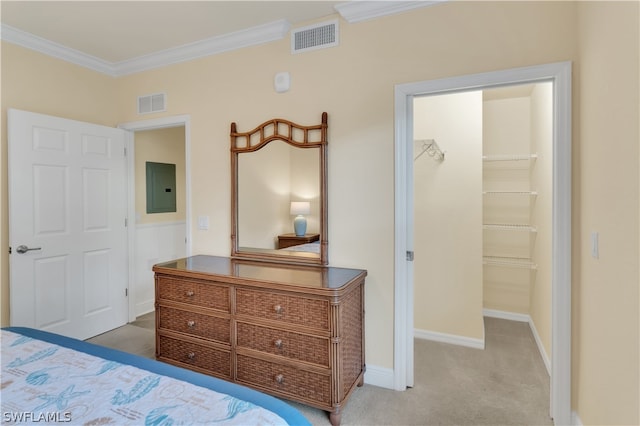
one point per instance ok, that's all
(335, 417)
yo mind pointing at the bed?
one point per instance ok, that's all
(51, 378)
(310, 247)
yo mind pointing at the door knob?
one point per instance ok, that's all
(22, 249)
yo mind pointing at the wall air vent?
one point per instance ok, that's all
(156, 102)
(313, 37)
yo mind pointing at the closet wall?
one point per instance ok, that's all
(517, 188)
(448, 218)
(541, 215)
(482, 216)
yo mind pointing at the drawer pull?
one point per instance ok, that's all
(189, 293)
(280, 379)
(278, 343)
(191, 324)
(191, 355)
(278, 309)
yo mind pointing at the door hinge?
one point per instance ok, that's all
(125, 151)
(9, 249)
(126, 292)
(410, 256)
(126, 222)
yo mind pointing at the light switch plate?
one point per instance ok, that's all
(203, 222)
(595, 245)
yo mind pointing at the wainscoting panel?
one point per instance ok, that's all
(155, 243)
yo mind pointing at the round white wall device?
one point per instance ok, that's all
(282, 82)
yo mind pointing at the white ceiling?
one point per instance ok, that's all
(116, 31)
(120, 37)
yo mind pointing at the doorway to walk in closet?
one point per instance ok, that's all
(482, 194)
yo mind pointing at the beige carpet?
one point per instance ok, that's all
(504, 384)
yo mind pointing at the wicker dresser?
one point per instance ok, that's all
(296, 332)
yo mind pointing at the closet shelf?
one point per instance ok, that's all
(509, 227)
(531, 193)
(514, 157)
(512, 262)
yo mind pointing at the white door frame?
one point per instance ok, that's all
(153, 124)
(560, 75)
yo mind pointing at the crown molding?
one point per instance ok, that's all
(211, 46)
(250, 37)
(358, 11)
(352, 11)
(47, 47)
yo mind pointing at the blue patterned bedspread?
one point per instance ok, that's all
(42, 382)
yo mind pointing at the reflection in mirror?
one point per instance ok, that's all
(277, 168)
(268, 181)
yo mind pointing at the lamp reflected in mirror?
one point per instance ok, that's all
(299, 209)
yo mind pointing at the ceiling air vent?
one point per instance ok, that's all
(313, 37)
(156, 102)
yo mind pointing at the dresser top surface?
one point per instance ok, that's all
(307, 276)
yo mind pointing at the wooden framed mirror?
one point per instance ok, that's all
(279, 183)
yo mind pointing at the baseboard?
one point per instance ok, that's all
(512, 316)
(543, 352)
(379, 376)
(384, 377)
(145, 307)
(575, 419)
(449, 338)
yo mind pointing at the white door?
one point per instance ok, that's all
(67, 225)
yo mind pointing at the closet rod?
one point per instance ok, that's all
(430, 147)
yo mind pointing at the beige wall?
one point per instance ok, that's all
(542, 182)
(605, 290)
(160, 146)
(448, 216)
(358, 95)
(354, 83)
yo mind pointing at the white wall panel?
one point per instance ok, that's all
(155, 243)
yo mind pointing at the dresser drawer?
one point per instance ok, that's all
(194, 293)
(195, 324)
(282, 307)
(215, 361)
(284, 379)
(292, 345)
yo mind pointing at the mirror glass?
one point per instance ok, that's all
(279, 205)
(268, 181)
